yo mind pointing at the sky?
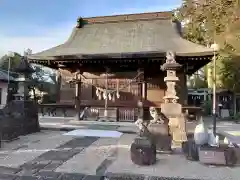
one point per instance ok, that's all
(42, 24)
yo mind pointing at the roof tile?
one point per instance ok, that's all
(126, 34)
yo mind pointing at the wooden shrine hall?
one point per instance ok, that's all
(115, 61)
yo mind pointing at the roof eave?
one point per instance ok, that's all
(195, 54)
(118, 55)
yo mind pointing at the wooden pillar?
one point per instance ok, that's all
(234, 104)
(78, 88)
(185, 90)
(144, 95)
(140, 85)
(59, 83)
(144, 87)
(106, 100)
(141, 93)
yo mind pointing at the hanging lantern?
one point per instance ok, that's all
(104, 95)
(118, 95)
(113, 98)
(97, 92)
(100, 96)
(110, 96)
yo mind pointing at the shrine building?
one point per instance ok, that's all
(115, 61)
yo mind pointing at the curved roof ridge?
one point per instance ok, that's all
(129, 17)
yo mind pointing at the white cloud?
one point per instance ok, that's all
(45, 39)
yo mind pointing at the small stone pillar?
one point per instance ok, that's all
(171, 108)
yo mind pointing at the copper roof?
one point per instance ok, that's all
(125, 34)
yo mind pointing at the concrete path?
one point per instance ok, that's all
(52, 155)
(61, 123)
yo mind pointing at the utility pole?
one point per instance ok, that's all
(215, 48)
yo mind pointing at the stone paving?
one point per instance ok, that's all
(52, 155)
(61, 123)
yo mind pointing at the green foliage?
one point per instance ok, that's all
(207, 107)
(216, 20)
(197, 82)
(236, 117)
(38, 79)
(229, 72)
(49, 98)
(14, 61)
(200, 83)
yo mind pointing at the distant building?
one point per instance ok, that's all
(4, 87)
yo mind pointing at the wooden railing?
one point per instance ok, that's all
(57, 109)
(124, 114)
(127, 114)
(114, 114)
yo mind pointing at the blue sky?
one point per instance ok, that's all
(41, 24)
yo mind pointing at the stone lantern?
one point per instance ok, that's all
(20, 115)
(171, 66)
(27, 107)
(171, 108)
(160, 128)
(24, 72)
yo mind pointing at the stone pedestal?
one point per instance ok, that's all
(160, 136)
(190, 150)
(157, 131)
(222, 155)
(143, 151)
(177, 126)
(19, 117)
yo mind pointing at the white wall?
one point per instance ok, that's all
(4, 87)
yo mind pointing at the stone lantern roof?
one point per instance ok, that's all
(24, 66)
